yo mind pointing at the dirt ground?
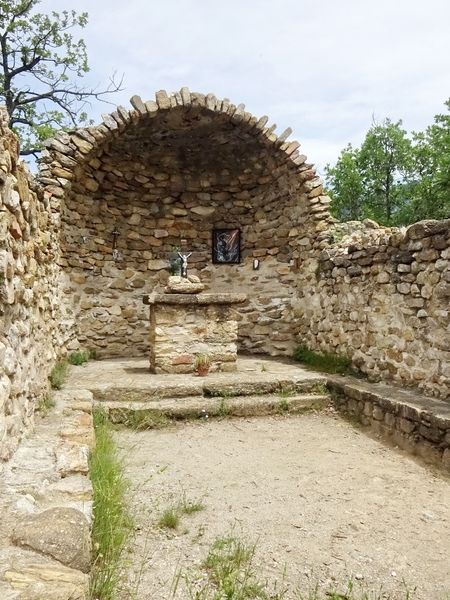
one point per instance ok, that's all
(321, 500)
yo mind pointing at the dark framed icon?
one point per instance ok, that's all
(226, 246)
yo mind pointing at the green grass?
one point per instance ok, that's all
(112, 523)
(171, 517)
(58, 374)
(323, 361)
(320, 388)
(224, 408)
(283, 406)
(188, 507)
(357, 591)
(231, 575)
(45, 404)
(141, 420)
(79, 358)
(229, 567)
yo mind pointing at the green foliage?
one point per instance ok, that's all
(229, 565)
(112, 523)
(40, 63)
(392, 178)
(323, 361)
(141, 420)
(78, 358)
(58, 374)
(45, 404)
(170, 518)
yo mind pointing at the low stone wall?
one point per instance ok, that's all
(34, 323)
(411, 421)
(381, 296)
(47, 498)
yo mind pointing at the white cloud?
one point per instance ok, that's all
(323, 68)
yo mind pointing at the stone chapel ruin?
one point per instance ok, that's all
(85, 240)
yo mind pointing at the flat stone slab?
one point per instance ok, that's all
(130, 380)
(198, 299)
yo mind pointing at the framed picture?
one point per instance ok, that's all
(226, 246)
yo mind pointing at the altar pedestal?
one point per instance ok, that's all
(182, 326)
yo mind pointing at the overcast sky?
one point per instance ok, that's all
(323, 67)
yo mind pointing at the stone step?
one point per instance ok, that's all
(198, 407)
(209, 388)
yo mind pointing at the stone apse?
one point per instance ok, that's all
(162, 177)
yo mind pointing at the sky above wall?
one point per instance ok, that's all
(326, 68)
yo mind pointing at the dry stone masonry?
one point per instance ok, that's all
(159, 178)
(382, 297)
(34, 319)
(94, 233)
(184, 326)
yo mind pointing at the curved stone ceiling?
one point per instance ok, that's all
(201, 142)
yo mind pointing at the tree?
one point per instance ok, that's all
(40, 63)
(346, 183)
(384, 160)
(392, 178)
(430, 174)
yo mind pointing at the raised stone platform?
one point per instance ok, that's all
(184, 326)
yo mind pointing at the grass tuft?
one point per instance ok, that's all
(58, 374)
(229, 566)
(112, 523)
(140, 420)
(324, 361)
(79, 358)
(283, 406)
(45, 404)
(170, 519)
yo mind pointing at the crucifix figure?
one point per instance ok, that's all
(184, 263)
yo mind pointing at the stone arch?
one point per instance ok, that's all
(164, 174)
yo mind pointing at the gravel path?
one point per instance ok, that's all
(322, 501)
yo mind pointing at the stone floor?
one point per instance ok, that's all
(135, 373)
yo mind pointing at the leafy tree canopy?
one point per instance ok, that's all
(394, 178)
(40, 66)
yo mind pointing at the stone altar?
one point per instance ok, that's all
(182, 326)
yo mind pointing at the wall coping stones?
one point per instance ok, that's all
(416, 423)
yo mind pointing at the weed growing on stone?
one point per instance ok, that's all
(286, 392)
(58, 374)
(112, 523)
(283, 406)
(324, 361)
(140, 420)
(78, 358)
(45, 404)
(224, 408)
(319, 388)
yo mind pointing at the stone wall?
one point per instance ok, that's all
(381, 296)
(163, 176)
(33, 324)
